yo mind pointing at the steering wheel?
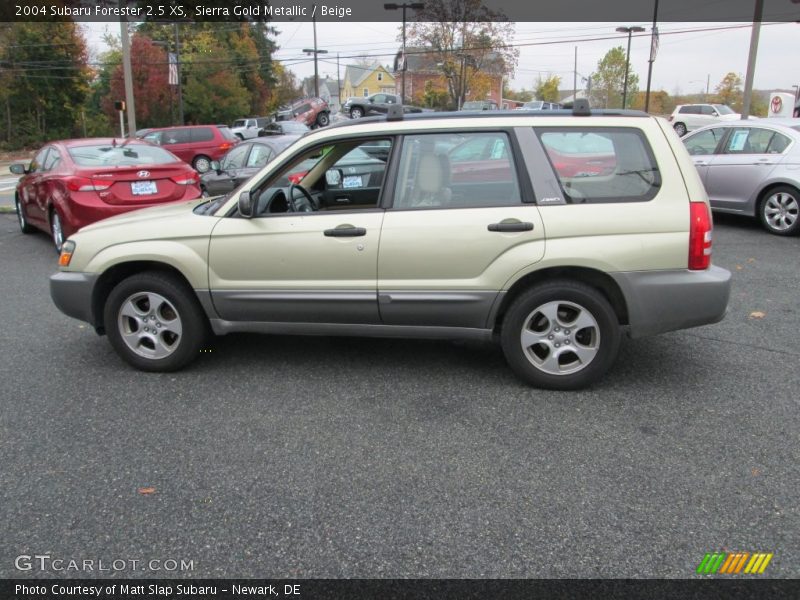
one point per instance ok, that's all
(305, 204)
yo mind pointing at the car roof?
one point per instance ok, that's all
(187, 126)
(783, 125)
(276, 140)
(74, 143)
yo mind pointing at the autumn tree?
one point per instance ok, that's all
(468, 40)
(45, 75)
(729, 91)
(547, 89)
(608, 81)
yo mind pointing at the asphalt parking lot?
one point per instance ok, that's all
(334, 457)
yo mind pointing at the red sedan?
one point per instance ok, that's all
(76, 182)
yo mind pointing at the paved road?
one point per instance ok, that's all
(332, 457)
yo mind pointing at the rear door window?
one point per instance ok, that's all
(704, 142)
(202, 134)
(602, 164)
(175, 136)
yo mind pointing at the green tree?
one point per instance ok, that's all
(467, 39)
(547, 89)
(609, 80)
(45, 75)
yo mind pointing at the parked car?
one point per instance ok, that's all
(284, 128)
(555, 271)
(197, 145)
(539, 105)
(72, 183)
(480, 105)
(241, 163)
(312, 112)
(688, 117)
(246, 129)
(377, 104)
(752, 168)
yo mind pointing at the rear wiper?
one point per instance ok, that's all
(640, 172)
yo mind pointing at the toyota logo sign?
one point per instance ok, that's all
(143, 173)
(776, 104)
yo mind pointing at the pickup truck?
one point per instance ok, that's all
(377, 104)
(246, 129)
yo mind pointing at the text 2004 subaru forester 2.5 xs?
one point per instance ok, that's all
(551, 232)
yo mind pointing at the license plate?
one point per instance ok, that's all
(352, 181)
(143, 188)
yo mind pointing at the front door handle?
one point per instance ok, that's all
(346, 232)
(506, 227)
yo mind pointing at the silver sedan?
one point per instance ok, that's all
(752, 168)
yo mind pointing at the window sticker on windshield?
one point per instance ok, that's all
(737, 140)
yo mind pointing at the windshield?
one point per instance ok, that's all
(536, 104)
(239, 123)
(294, 127)
(724, 110)
(472, 105)
(120, 156)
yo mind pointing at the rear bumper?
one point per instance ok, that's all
(72, 294)
(664, 301)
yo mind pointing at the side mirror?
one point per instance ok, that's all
(370, 100)
(246, 205)
(215, 166)
(714, 113)
(333, 177)
(18, 169)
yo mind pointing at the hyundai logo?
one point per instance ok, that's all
(143, 173)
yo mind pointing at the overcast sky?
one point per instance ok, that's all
(684, 60)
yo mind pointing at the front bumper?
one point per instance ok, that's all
(661, 301)
(72, 294)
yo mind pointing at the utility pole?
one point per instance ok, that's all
(338, 81)
(178, 68)
(315, 51)
(575, 77)
(404, 6)
(127, 75)
(751, 60)
(653, 52)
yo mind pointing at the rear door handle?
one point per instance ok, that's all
(345, 232)
(506, 227)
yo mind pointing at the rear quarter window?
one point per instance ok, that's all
(225, 132)
(202, 134)
(602, 164)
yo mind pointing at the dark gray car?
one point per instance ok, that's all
(242, 162)
(752, 168)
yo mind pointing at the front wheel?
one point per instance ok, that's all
(680, 129)
(560, 335)
(24, 226)
(154, 322)
(323, 119)
(356, 113)
(780, 211)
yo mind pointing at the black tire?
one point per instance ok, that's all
(240, 136)
(779, 210)
(56, 229)
(201, 163)
(174, 306)
(24, 226)
(573, 302)
(356, 112)
(323, 119)
(680, 129)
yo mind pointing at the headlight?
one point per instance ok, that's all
(67, 248)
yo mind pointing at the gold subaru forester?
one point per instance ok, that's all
(551, 232)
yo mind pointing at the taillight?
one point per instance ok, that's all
(296, 178)
(226, 146)
(669, 118)
(83, 184)
(185, 180)
(700, 230)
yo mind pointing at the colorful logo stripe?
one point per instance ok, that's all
(733, 563)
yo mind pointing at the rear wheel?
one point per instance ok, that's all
(154, 322)
(560, 335)
(24, 226)
(680, 129)
(56, 229)
(323, 119)
(201, 163)
(779, 210)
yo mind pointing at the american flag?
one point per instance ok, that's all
(173, 68)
